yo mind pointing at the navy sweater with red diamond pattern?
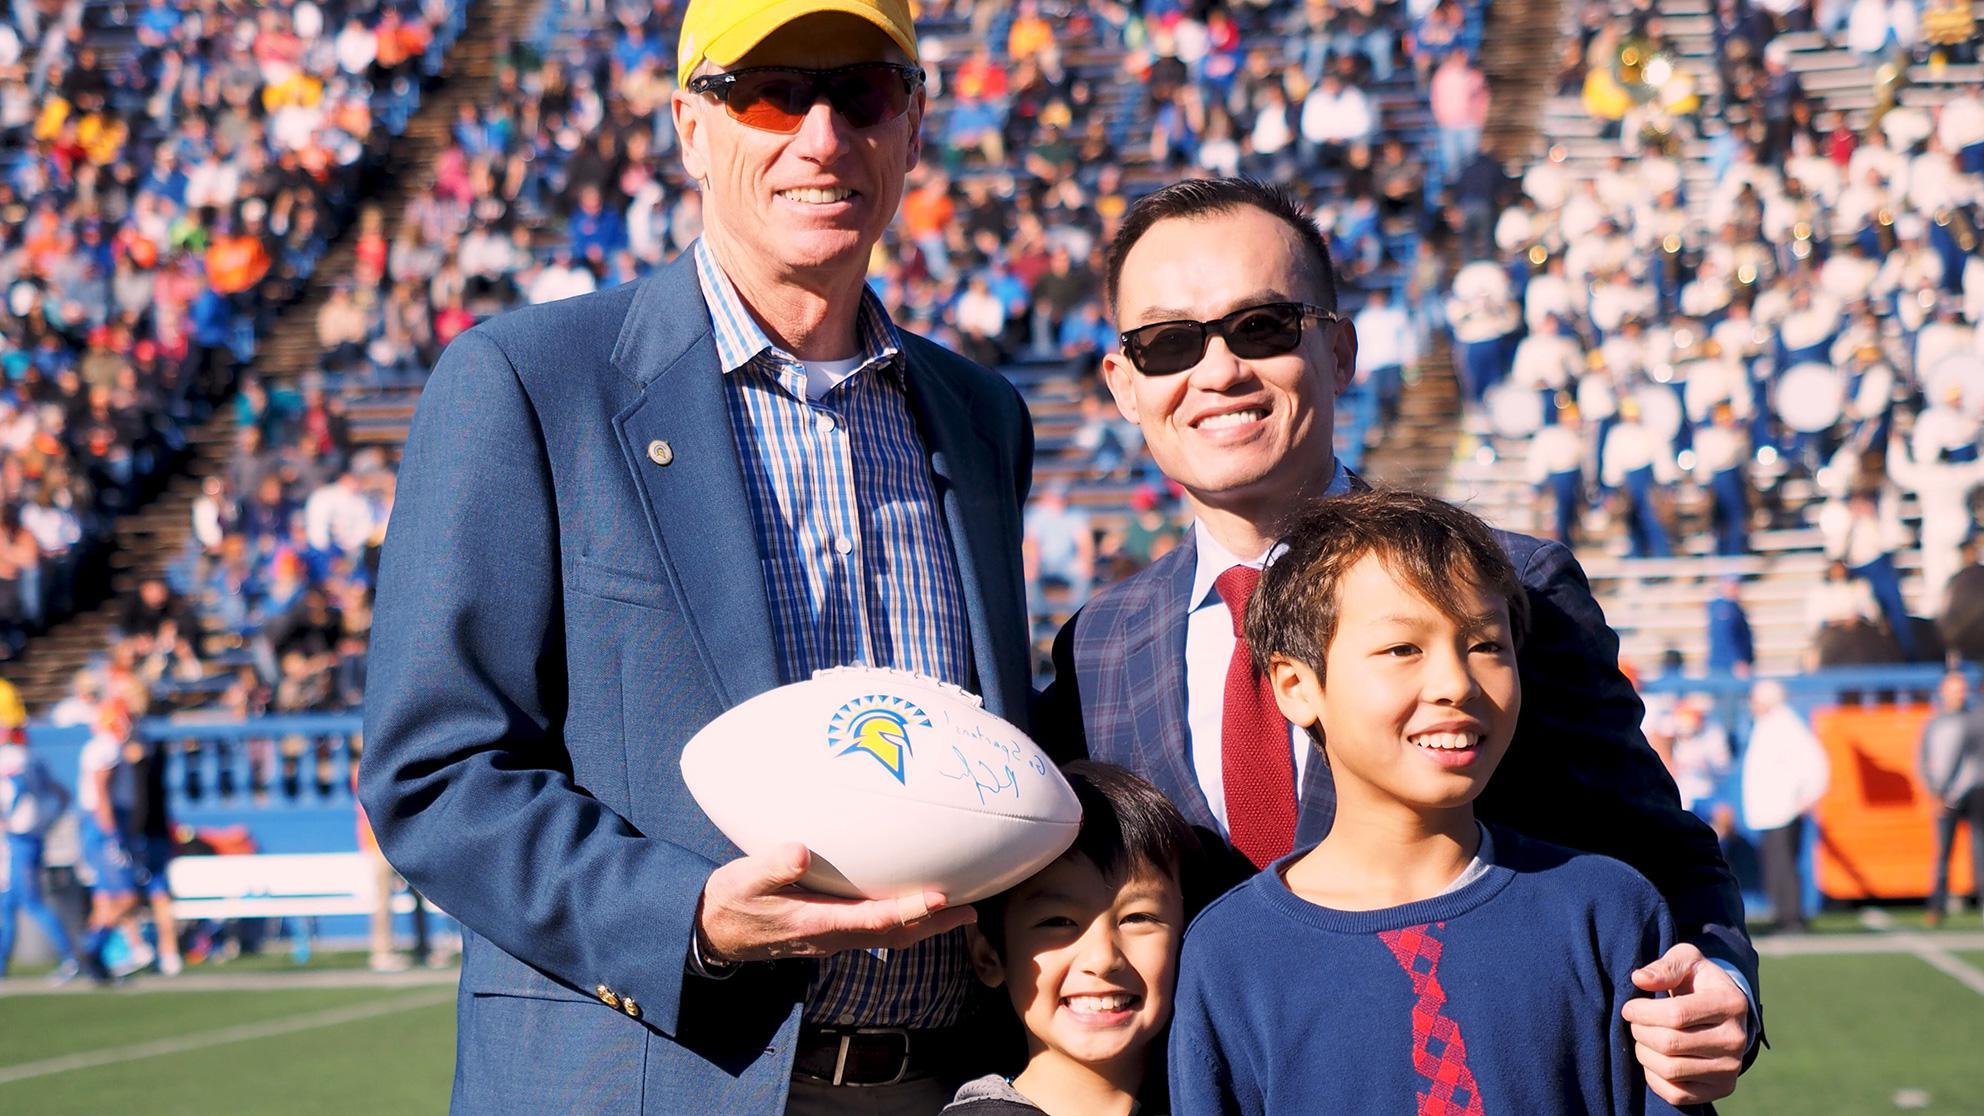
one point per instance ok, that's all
(1500, 998)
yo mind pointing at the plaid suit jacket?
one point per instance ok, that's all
(1579, 773)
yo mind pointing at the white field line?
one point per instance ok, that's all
(1831, 945)
(1935, 952)
(222, 1036)
(204, 980)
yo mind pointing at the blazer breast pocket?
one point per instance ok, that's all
(594, 579)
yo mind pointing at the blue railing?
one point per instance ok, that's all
(1911, 684)
(288, 779)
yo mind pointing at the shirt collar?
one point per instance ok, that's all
(739, 341)
(1214, 559)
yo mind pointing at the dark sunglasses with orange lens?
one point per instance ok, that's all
(1252, 333)
(777, 98)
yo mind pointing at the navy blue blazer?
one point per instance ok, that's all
(1578, 773)
(561, 606)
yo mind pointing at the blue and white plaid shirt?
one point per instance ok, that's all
(858, 569)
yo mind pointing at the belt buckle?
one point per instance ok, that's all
(847, 1040)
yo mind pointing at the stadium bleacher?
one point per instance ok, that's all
(1791, 473)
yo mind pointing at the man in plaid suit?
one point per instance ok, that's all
(1232, 358)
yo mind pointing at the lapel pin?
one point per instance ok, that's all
(660, 452)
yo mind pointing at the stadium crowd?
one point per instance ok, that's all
(1812, 317)
(565, 183)
(167, 184)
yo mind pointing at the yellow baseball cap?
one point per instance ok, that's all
(723, 31)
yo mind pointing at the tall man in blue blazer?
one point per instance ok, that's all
(622, 514)
(1232, 358)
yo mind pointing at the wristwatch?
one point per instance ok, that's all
(700, 962)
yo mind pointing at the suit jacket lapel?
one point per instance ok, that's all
(1316, 804)
(984, 533)
(1154, 657)
(698, 509)
(1316, 808)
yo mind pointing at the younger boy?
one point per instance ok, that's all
(1088, 952)
(1414, 960)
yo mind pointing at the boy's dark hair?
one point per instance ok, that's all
(1432, 546)
(1203, 197)
(1127, 824)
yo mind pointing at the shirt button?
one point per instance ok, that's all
(846, 1019)
(826, 424)
(843, 545)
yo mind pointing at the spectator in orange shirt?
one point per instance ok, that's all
(1031, 32)
(927, 211)
(400, 41)
(236, 261)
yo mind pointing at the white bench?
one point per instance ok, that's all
(299, 886)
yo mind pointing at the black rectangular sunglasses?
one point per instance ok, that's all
(777, 98)
(1252, 333)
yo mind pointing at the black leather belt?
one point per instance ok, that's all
(865, 1057)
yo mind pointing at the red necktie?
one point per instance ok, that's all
(1254, 760)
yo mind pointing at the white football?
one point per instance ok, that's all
(897, 783)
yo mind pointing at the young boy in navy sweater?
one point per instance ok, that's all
(1087, 950)
(1415, 961)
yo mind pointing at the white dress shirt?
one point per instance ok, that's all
(1209, 644)
(1785, 771)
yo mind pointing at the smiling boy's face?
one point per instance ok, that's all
(1415, 706)
(1089, 964)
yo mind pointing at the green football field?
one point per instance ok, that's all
(1851, 1034)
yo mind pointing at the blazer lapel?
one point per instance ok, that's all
(1316, 809)
(678, 443)
(964, 467)
(1316, 804)
(1154, 662)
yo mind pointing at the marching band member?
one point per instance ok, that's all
(1722, 451)
(1876, 156)
(1869, 394)
(1911, 270)
(1943, 489)
(1848, 273)
(1639, 461)
(1618, 300)
(1820, 175)
(1557, 468)
(1714, 381)
(1483, 315)
(1625, 348)
(1552, 295)
(1960, 127)
(1864, 531)
(1861, 208)
(1546, 361)
(1807, 332)
(1945, 431)
(1947, 336)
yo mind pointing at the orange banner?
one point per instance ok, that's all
(1877, 823)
